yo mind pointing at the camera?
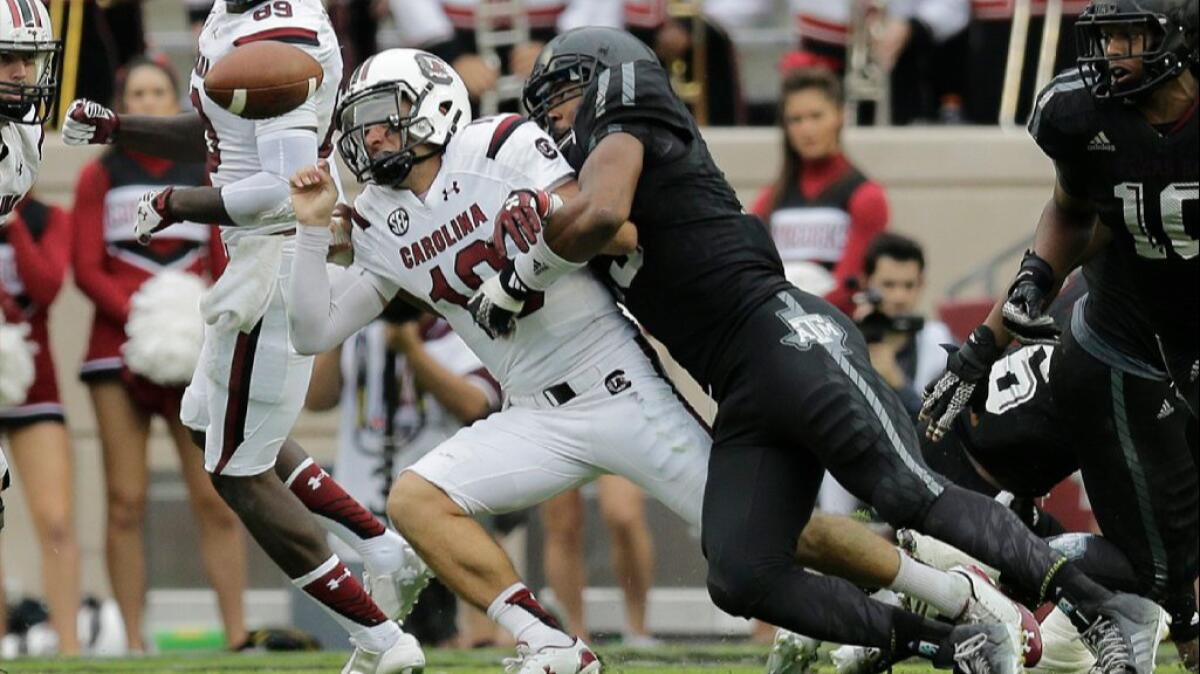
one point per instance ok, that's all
(876, 324)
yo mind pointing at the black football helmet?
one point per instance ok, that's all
(1171, 46)
(569, 62)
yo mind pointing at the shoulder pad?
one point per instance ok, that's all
(634, 92)
(1063, 116)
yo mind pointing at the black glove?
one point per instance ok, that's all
(498, 301)
(966, 367)
(1023, 311)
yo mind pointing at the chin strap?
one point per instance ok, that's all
(394, 168)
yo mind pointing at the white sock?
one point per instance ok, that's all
(946, 592)
(517, 611)
(332, 575)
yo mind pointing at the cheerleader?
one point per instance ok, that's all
(110, 268)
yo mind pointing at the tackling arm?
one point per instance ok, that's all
(180, 137)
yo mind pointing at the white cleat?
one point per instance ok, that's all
(404, 657)
(988, 605)
(574, 659)
(396, 593)
(933, 552)
(856, 659)
(792, 653)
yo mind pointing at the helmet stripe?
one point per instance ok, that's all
(16, 14)
(27, 13)
(362, 70)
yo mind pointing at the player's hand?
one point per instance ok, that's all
(314, 195)
(89, 123)
(153, 214)
(966, 368)
(498, 301)
(1023, 311)
(521, 218)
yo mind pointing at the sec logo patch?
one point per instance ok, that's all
(548, 151)
(398, 222)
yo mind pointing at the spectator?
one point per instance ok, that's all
(906, 349)
(404, 387)
(113, 35)
(34, 246)
(821, 208)
(623, 509)
(109, 267)
(922, 45)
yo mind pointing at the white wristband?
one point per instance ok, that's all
(541, 267)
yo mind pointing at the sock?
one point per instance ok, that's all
(946, 592)
(914, 635)
(517, 611)
(1075, 594)
(341, 595)
(381, 549)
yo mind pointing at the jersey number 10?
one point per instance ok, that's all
(1153, 245)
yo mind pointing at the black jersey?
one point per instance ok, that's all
(1143, 182)
(705, 263)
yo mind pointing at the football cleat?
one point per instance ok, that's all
(404, 657)
(933, 552)
(981, 649)
(792, 653)
(1124, 635)
(988, 605)
(396, 593)
(574, 659)
(857, 660)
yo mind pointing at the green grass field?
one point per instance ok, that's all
(667, 660)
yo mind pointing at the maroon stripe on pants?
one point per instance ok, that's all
(239, 395)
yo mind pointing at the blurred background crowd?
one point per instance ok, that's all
(105, 490)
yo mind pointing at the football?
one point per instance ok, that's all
(263, 79)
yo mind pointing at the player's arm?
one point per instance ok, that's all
(325, 385)
(178, 137)
(326, 303)
(464, 396)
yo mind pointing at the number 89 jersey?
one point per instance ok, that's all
(439, 250)
(231, 141)
(1142, 179)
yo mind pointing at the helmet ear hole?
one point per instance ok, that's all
(445, 107)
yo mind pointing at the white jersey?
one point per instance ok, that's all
(232, 141)
(439, 250)
(20, 159)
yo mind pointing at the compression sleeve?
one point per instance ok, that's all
(265, 195)
(326, 303)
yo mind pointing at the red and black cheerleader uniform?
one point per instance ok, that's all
(34, 247)
(828, 217)
(110, 265)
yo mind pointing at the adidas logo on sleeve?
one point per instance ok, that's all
(1100, 143)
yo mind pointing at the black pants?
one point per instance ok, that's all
(1132, 446)
(797, 396)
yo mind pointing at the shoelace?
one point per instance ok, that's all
(971, 656)
(1104, 640)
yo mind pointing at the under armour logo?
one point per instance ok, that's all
(314, 483)
(335, 583)
(453, 188)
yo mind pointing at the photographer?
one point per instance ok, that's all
(905, 347)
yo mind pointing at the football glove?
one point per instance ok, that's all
(1023, 310)
(153, 214)
(966, 367)
(498, 301)
(521, 218)
(89, 123)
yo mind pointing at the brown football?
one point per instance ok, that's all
(263, 79)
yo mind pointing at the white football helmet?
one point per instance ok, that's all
(416, 95)
(26, 35)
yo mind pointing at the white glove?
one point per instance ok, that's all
(153, 214)
(89, 123)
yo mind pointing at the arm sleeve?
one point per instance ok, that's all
(42, 264)
(88, 251)
(762, 202)
(327, 303)
(265, 195)
(868, 217)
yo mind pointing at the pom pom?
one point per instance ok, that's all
(16, 362)
(165, 331)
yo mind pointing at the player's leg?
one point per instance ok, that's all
(124, 433)
(395, 575)
(41, 453)
(222, 545)
(622, 505)
(510, 461)
(566, 572)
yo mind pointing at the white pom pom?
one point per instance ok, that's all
(16, 362)
(165, 330)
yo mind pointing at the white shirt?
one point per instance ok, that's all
(233, 141)
(438, 251)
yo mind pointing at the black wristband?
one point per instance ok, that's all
(1037, 271)
(512, 284)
